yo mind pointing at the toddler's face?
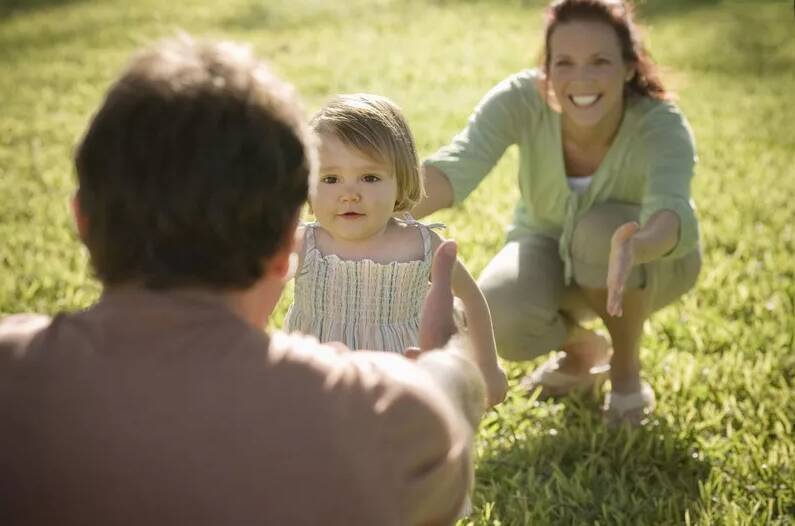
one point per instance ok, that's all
(355, 195)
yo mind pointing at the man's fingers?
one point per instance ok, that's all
(443, 261)
(436, 325)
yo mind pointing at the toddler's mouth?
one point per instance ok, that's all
(350, 215)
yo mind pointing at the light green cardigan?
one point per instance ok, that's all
(650, 162)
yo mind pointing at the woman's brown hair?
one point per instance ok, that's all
(618, 14)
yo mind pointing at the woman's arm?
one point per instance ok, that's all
(656, 238)
(456, 169)
(438, 193)
(670, 227)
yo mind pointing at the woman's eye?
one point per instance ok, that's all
(328, 179)
(370, 178)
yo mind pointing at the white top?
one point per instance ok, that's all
(579, 185)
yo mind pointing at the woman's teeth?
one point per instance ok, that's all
(583, 100)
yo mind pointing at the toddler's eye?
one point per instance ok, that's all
(562, 63)
(602, 61)
(328, 179)
(371, 178)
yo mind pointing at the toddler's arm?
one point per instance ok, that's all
(479, 329)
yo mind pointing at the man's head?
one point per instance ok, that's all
(193, 170)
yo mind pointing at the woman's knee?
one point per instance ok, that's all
(592, 233)
(523, 286)
(523, 332)
(673, 278)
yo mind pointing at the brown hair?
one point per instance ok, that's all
(193, 169)
(618, 14)
(375, 126)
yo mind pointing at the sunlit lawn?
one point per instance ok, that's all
(719, 448)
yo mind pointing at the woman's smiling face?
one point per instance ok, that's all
(588, 72)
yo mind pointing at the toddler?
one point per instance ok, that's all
(363, 274)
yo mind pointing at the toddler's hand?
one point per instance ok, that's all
(496, 384)
(412, 353)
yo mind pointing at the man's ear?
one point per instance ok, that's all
(81, 220)
(282, 264)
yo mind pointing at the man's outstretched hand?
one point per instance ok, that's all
(436, 322)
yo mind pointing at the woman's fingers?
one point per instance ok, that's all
(615, 298)
(619, 266)
(625, 231)
(615, 286)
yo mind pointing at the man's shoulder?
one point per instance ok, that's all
(373, 376)
(17, 331)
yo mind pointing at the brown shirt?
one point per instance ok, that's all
(166, 408)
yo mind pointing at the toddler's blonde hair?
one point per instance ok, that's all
(375, 126)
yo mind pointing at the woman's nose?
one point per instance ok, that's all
(584, 72)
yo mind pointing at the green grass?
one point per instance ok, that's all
(719, 448)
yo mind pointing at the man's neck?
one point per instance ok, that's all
(256, 303)
(253, 305)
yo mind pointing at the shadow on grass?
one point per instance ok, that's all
(643, 8)
(254, 17)
(580, 472)
(647, 9)
(9, 8)
(258, 16)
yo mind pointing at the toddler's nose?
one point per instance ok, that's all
(350, 195)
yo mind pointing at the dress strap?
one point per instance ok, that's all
(425, 232)
(426, 241)
(309, 236)
(411, 221)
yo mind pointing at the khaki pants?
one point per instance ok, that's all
(532, 309)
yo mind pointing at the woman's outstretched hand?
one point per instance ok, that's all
(620, 265)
